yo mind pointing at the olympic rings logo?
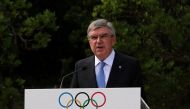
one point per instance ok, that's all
(66, 100)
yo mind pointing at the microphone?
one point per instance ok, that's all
(80, 69)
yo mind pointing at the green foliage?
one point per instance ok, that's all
(159, 37)
(9, 93)
(35, 29)
(20, 30)
(78, 16)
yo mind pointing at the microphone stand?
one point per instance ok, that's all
(80, 69)
(64, 78)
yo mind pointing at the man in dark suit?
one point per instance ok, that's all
(119, 70)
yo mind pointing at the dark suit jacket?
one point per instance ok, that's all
(125, 72)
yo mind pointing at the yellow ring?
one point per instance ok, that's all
(67, 107)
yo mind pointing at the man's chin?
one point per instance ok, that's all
(100, 56)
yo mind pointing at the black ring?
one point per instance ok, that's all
(85, 100)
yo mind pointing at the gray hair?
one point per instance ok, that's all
(101, 23)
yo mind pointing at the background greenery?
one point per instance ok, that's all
(40, 40)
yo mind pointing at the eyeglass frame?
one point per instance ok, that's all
(101, 36)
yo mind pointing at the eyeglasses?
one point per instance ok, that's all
(102, 37)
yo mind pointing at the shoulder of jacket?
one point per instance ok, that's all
(91, 58)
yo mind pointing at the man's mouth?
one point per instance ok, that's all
(99, 47)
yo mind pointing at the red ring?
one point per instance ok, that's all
(102, 103)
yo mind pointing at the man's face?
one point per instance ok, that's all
(101, 42)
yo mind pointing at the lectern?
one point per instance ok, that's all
(83, 98)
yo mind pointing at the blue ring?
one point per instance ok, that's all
(71, 100)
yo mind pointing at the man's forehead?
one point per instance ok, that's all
(100, 30)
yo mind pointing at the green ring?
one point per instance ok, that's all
(88, 100)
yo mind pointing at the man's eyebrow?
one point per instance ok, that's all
(104, 34)
(101, 34)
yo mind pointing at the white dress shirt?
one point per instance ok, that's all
(107, 67)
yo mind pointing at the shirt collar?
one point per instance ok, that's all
(108, 60)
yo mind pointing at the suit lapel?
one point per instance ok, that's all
(117, 71)
(90, 73)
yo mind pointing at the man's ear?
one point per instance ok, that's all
(113, 40)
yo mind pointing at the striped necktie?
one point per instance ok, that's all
(101, 76)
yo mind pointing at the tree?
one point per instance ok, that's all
(158, 36)
(21, 30)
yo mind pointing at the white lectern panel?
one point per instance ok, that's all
(83, 98)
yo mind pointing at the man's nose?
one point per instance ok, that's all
(99, 39)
